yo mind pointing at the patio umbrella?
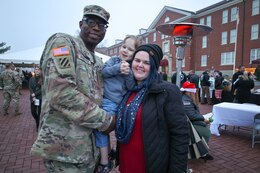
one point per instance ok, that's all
(256, 61)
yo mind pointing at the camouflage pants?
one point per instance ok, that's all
(8, 96)
(62, 167)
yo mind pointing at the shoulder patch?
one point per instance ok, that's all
(60, 51)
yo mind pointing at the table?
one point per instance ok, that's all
(233, 114)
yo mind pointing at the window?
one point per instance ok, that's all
(208, 21)
(233, 15)
(254, 32)
(227, 58)
(255, 7)
(154, 36)
(254, 54)
(167, 19)
(202, 21)
(224, 16)
(203, 60)
(224, 38)
(162, 36)
(166, 46)
(233, 36)
(146, 40)
(111, 52)
(204, 41)
(115, 51)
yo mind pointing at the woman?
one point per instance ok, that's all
(192, 111)
(243, 86)
(35, 84)
(151, 128)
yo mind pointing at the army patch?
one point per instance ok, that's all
(64, 62)
(60, 51)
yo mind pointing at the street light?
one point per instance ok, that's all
(182, 36)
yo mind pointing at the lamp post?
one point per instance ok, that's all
(182, 36)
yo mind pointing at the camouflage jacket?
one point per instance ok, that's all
(9, 80)
(71, 98)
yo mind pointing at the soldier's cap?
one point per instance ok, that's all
(96, 11)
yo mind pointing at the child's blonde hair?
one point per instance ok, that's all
(138, 40)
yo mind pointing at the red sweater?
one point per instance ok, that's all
(132, 154)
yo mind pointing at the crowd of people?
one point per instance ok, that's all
(76, 101)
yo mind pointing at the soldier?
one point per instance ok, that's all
(10, 82)
(71, 97)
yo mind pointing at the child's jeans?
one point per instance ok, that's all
(102, 139)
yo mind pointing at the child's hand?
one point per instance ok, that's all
(125, 67)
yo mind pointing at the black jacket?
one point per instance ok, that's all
(165, 129)
(192, 111)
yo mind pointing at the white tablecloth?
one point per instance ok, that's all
(233, 114)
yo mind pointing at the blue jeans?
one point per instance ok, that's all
(101, 138)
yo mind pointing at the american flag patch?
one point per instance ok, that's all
(60, 51)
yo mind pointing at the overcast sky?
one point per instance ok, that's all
(27, 24)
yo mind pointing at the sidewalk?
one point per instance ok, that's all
(232, 151)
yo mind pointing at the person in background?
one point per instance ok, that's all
(243, 86)
(235, 77)
(192, 111)
(183, 78)
(226, 94)
(72, 93)
(205, 84)
(35, 84)
(194, 78)
(10, 81)
(218, 87)
(164, 76)
(151, 127)
(117, 80)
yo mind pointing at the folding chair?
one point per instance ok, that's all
(256, 128)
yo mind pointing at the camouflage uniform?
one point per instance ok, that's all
(10, 82)
(71, 97)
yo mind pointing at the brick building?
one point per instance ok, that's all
(233, 41)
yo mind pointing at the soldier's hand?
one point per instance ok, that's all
(112, 126)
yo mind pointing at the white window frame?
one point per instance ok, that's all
(233, 36)
(233, 15)
(208, 22)
(255, 7)
(203, 60)
(254, 31)
(154, 36)
(202, 21)
(227, 58)
(166, 46)
(166, 19)
(111, 51)
(162, 36)
(224, 38)
(225, 16)
(115, 50)
(146, 40)
(254, 54)
(204, 42)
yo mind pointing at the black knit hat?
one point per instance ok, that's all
(153, 50)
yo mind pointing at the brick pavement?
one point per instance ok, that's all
(232, 151)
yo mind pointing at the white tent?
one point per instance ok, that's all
(31, 56)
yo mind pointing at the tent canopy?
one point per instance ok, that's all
(31, 56)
